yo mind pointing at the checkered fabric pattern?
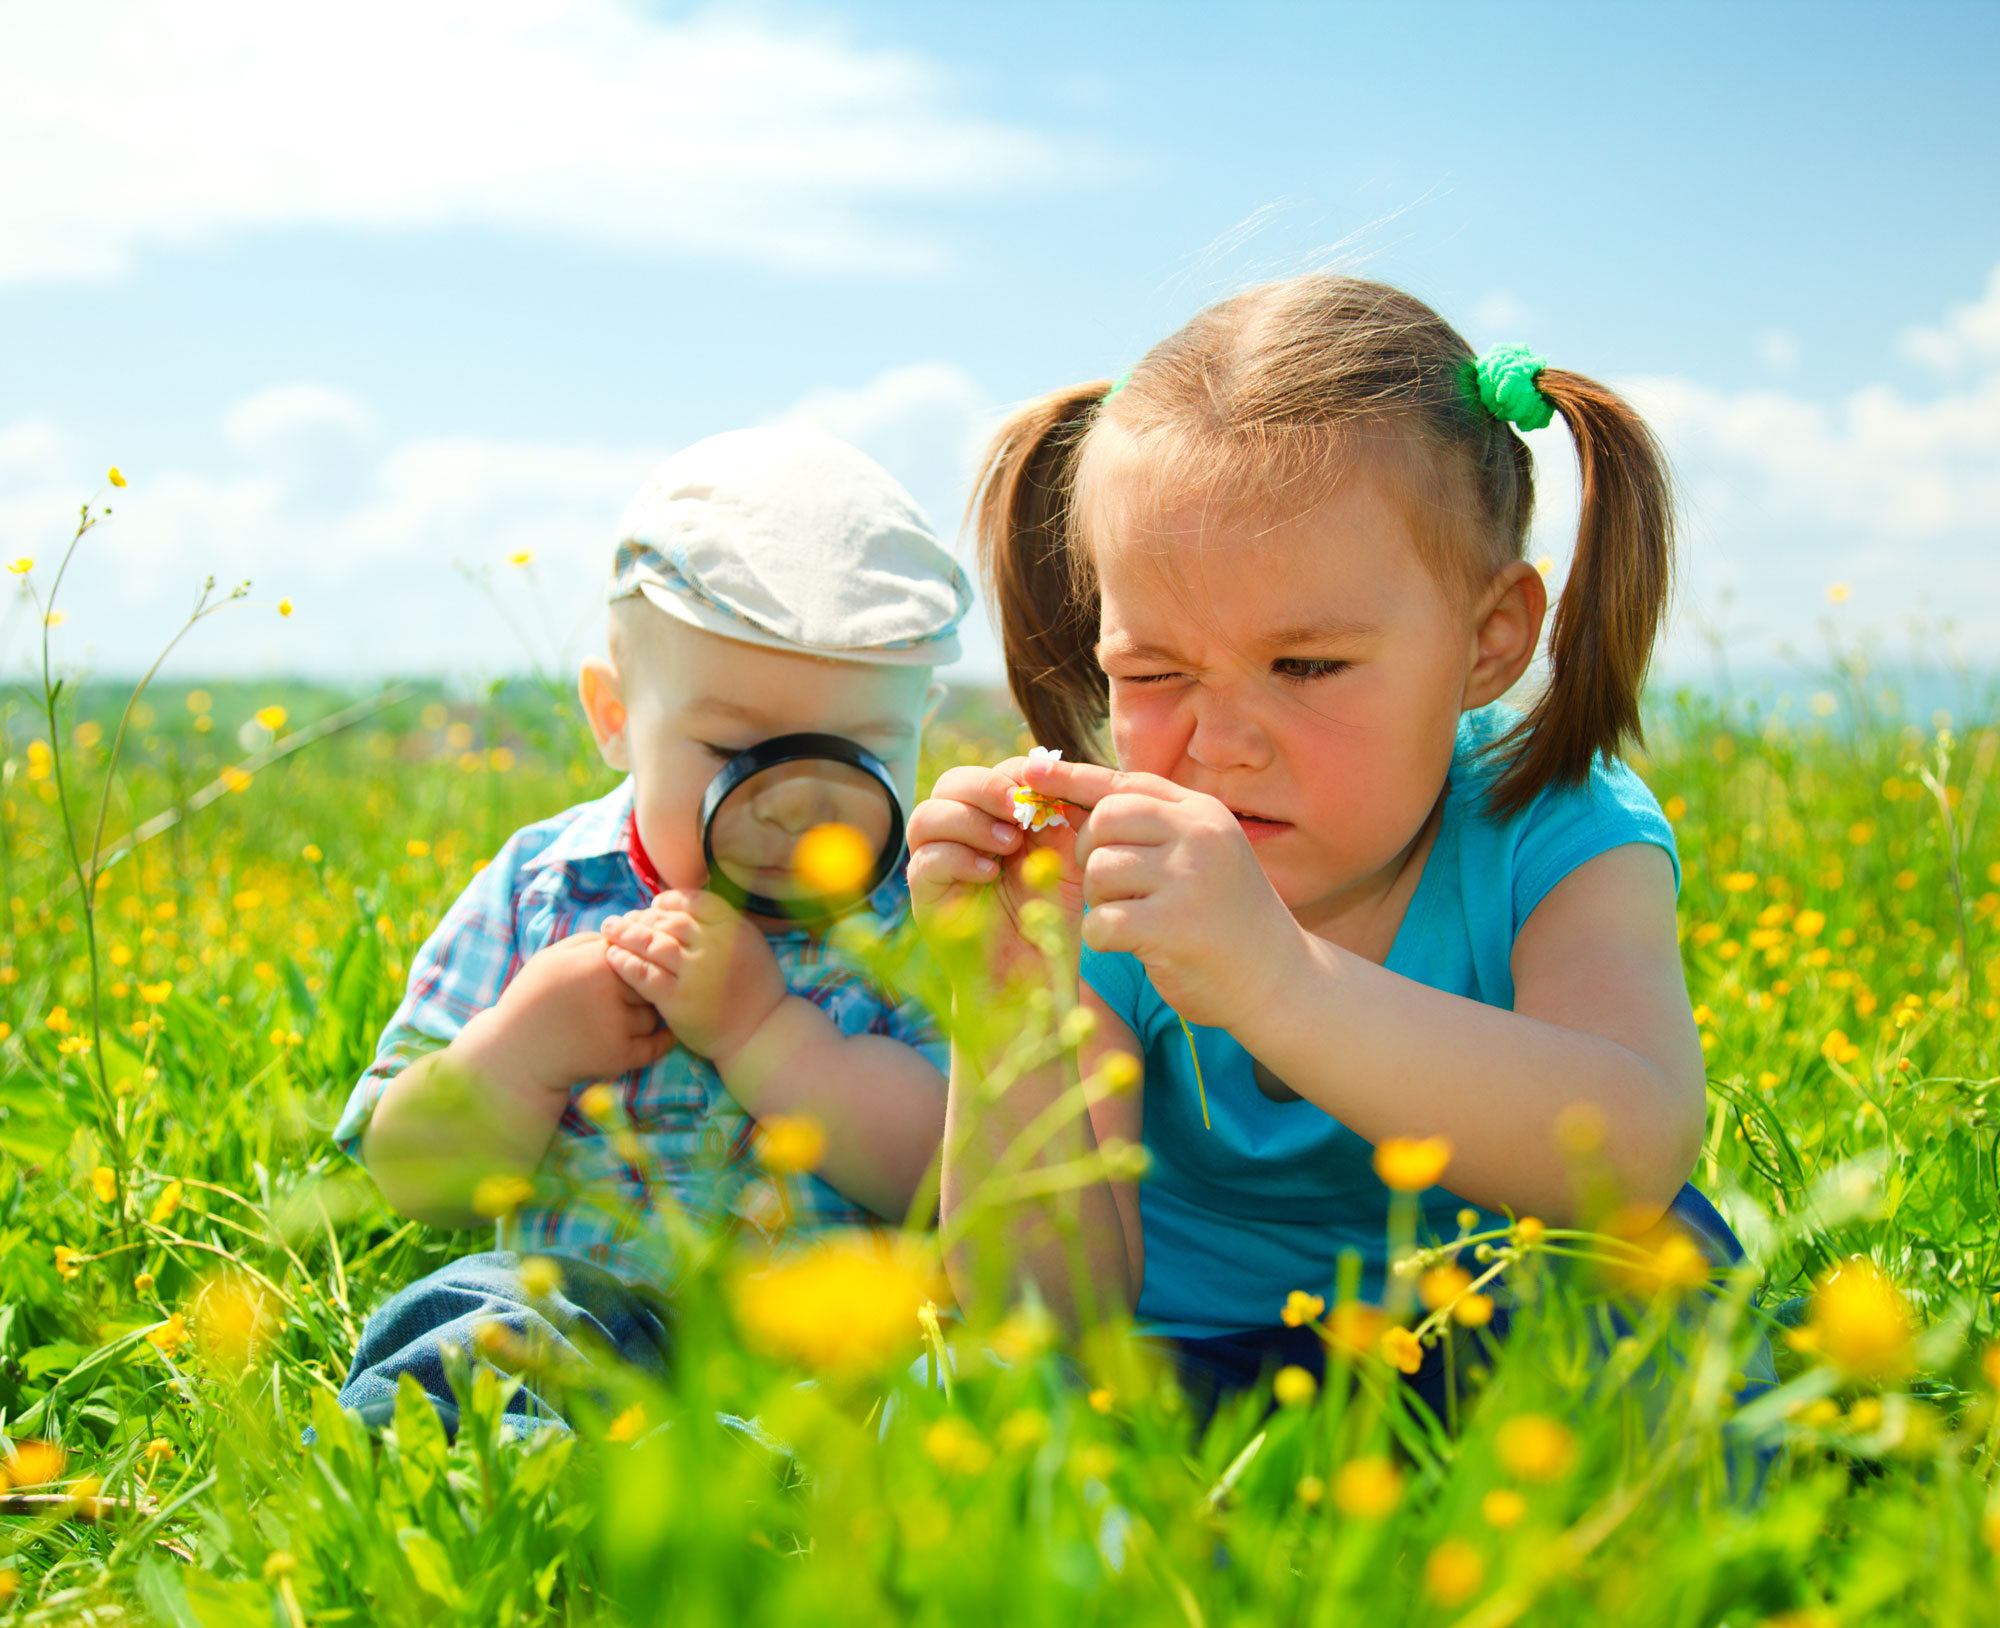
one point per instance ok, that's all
(688, 1154)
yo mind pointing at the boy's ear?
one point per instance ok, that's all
(604, 705)
(1507, 631)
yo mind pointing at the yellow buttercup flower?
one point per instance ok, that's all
(272, 718)
(628, 1424)
(1410, 1164)
(499, 1196)
(1042, 869)
(1535, 1447)
(165, 1205)
(846, 1305)
(1860, 1322)
(1118, 1072)
(540, 1277)
(1293, 1386)
(790, 1143)
(953, 1445)
(67, 1260)
(169, 1336)
(1301, 1308)
(284, 607)
(153, 994)
(1453, 1571)
(36, 1463)
(833, 859)
(22, 566)
(104, 1183)
(1367, 1489)
(521, 556)
(233, 1322)
(114, 476)
(1402, 1350)
(1503, 1508)
(1442, 1284)
(1472, 1310)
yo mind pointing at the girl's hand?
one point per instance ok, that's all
(964, 842)
(1170, 877)
(710, 974)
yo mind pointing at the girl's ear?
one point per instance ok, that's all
(1506, 632)
(603, 701)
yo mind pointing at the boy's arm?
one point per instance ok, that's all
(488, 1103)
(880, 1100)
(714, 978)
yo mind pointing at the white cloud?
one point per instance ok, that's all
(374, 542)
(1894, 494)
(1968, 337)
(1500, 318)
(127, 125)
(1778, 350)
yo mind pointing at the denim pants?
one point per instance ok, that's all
(1218, 1366)
(590, 1313)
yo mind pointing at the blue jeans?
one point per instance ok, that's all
(592, 1312)
(1217, 1366)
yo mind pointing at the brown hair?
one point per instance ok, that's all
(1264, 399)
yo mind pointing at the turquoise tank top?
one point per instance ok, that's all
(1238, 1215)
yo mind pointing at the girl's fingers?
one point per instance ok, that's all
(1088, 784)
(939, 864)
(1127, 818)
(1111, 927)
(940, 821)
(991, 791)
(1120, 872)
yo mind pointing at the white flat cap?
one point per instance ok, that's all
(788, 538)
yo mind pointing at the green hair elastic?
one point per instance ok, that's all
(1506, 378)
(1117, 385)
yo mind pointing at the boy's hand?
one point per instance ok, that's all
(707, 970)
(963, 841)
(563, 1020)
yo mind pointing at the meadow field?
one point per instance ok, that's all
(185, 1260)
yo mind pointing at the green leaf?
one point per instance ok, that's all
(48, 1359)
(430, 1565)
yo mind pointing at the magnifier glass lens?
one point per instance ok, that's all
(803, 832)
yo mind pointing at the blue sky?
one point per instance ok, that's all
(361, 292)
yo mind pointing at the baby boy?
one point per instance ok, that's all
(589, 1010)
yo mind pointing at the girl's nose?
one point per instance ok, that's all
(1226, 736)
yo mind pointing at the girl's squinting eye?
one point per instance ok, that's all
(721, 754)
(1302, 668)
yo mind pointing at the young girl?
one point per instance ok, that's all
(1282, 558)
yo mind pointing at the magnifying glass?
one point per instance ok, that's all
(801, 826)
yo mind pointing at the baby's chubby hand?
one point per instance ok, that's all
(564, 1020)
(705, 969)
(1169, 877)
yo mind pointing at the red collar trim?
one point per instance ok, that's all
(642, 862)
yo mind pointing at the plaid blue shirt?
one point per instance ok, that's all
(690, 1143)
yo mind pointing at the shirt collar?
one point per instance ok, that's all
(597, 832)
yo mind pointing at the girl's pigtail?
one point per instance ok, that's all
(1039, 588)
(1612, 605)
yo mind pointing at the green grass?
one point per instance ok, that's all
(1841, 947)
